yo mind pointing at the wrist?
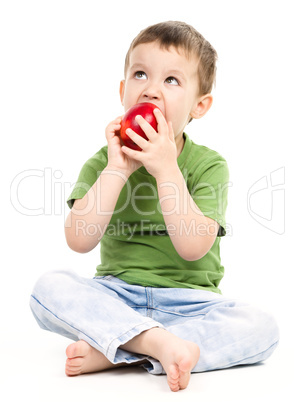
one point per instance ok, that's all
(168, 174)
(123, 173)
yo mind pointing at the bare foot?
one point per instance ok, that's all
(177, 356)
(83, 358)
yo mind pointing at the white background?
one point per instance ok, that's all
(61, 64)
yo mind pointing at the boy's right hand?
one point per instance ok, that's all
(117, 160)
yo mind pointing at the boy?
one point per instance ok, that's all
(159, 215)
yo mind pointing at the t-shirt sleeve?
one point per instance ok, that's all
(88, 176)
(210, 190)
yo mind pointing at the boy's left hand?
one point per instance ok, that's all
(159, 154)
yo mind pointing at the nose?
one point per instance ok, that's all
(151, 92)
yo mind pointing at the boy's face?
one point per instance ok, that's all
(166, 78)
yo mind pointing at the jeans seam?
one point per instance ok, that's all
(178, 314)
(148, 302)
(60, 319)
(166, 311)
(151, 303)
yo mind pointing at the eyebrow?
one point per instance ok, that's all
(137, 66)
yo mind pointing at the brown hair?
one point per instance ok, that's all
(182, 36)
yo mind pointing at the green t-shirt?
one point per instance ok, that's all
(136, 246)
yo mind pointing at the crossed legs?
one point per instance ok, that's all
(176, 355)
(110, 333)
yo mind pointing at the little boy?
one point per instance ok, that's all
(159, 214)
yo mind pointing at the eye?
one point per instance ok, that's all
(172, 81)
(140, 75)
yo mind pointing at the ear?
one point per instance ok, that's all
(201, 106)
(122, 91)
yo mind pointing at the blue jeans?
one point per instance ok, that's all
(107, 312)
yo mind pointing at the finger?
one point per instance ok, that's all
(112, 130)
(117, 120)
(137, 155)
(140, 141)
(162, 126)
(113, 138)
(115, 123)
(146, 127)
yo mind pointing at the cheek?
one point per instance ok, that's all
(180, 113)
(180, 119)
(130, 95)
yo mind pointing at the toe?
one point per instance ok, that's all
(174, 387)
(173, 372)
(71, 351)
(74, 366)
(184, 372)
(184, 379)
(173, 377)
(76, 362)
(71, 371)
(77, 349)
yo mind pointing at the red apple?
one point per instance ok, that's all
(146, 111)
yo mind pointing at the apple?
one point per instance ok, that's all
(145, 110)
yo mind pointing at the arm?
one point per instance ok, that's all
(90, 216)
(191, 233)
